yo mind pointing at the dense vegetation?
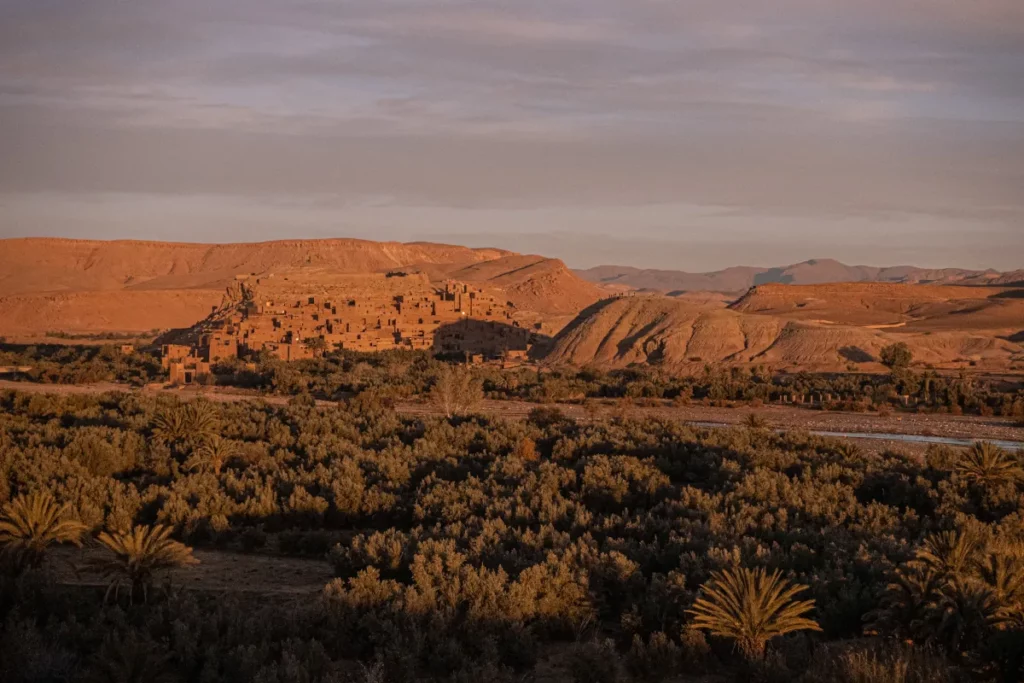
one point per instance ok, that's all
(84, 364)
(398, 375)
(467, 549)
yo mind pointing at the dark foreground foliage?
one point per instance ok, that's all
(467, 549)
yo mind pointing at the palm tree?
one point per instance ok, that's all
(212, 455)
(139, 555)
(169, 426)
(985, 463)
(950, 553)
(751, 607)
(908, 598)
(186, 425)
(963, 614)
(30, 524)
(1004, 574)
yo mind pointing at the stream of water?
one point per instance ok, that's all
(906, 438)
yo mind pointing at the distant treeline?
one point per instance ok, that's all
(402, 375)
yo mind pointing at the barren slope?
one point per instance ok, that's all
(38, 265)
(533, 283)
(91, 286)
(618, 332)
(109, 311)
(913, 307)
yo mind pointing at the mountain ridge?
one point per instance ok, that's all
(737, 279)
(75, 285)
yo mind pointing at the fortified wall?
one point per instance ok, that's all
(453, 318)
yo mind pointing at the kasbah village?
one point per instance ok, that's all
(277, 315)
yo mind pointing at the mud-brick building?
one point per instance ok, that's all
(187, 371)
(174, 353)
(183, 363)
(455, 318)
(218, 346)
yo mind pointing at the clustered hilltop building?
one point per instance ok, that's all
(453, 319)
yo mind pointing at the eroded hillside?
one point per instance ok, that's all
(831, 328)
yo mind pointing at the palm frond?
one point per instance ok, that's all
(31, 524)
(906, 602)
(751, 607)
(192, 422)
(950, 553)
(139, 554)
(212, 455)
(1004, 574)
(985, 463)
(963, 614)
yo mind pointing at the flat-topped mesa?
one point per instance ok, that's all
(450, 318)
(36, 265)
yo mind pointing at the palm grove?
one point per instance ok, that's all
(466, 548)
(403, 375)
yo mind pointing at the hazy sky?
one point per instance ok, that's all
(684, 134)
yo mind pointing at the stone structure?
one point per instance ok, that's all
(455, 319)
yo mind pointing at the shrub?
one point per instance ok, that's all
(884, 662)
(896, 356)
(545, 417)
(655, 660)
(455, 391)
(253, 538)
(595, 662)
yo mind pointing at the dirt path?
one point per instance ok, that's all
(218, 570)
(780, 417)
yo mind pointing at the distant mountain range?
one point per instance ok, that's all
(813, 272)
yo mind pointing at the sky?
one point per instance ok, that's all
(680, 134)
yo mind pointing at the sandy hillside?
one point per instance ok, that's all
(130, 286)
(533, 282)
(106, 311)
(41, 265)
(650, 329)
(914, 307)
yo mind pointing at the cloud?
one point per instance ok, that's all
(805, 107)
